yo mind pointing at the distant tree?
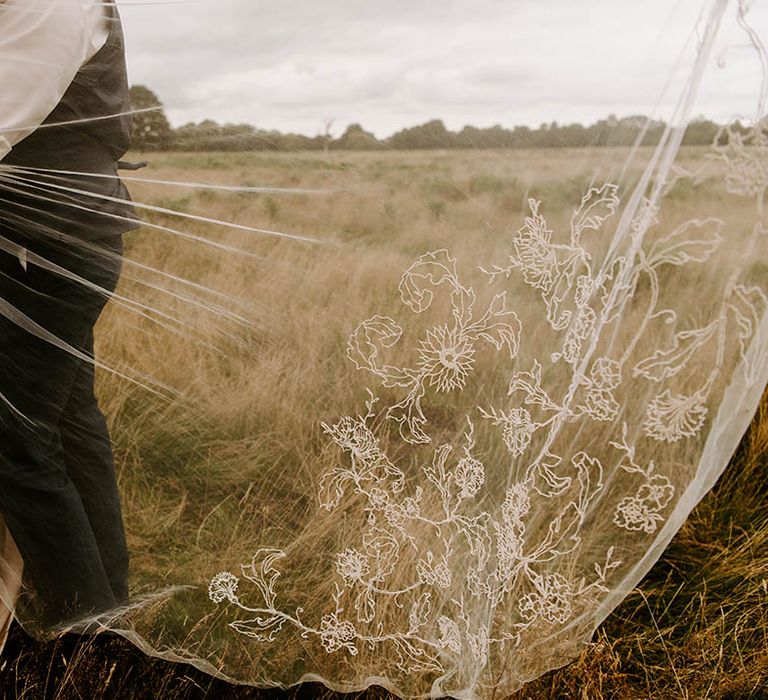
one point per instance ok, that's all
(151, 130)
(522, 137)
(204, 136)
(700, 132)
(493, 137)
(238, 137)
(355, 138)
(300, 142)
(432, 134)
(573, 135)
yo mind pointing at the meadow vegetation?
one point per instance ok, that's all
(205, 445)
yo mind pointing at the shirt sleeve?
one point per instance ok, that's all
(42, 46)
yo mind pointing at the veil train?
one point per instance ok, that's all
(403, 412)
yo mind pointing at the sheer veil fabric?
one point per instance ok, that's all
(419, 419)
(10, 581)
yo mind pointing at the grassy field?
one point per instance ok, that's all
(203, 475)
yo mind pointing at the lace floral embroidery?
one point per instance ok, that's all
(442, 533)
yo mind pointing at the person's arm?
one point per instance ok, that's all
(43, 43)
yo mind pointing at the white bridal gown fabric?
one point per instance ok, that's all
(42, 44)
(431, 434)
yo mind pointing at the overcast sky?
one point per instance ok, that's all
(294, 64)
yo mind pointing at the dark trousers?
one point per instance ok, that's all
(58, 491)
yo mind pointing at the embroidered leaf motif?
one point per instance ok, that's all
(463, 300)
(613, 292)
(365, 606)
(749, 304)
(435, 471)
(590, 478)
(475, 530)
(262, 629)
(534, 254)
(597, 205)
(414, 659)
(332, 487)
(667, 363)
(530, 384)
(563, 536)
(501, 327)
(263, 573)
(431, 270)
(409, 415)
(557, 300)
(419, 612)
(693, 241)
(367, 342)
(745, 156)
(548, 484)
(383, 548)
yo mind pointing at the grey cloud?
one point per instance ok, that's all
(294, 63)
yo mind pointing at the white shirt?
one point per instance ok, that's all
(43, 44)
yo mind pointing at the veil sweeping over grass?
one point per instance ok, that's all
(420, 418)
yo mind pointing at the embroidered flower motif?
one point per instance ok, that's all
(378, 498)
(352, 566)
(601, 405)
(606, 373)
(509, 547)
(469, 476)
(518, 428)
(223, 586)
(550, 601)
(450, 636)
(599, 401)
(411, 505)
(479, 645)
(395, 515)
(337, 634)
(433, 574)
(509, 532)
(657, 490)
(516, 504)
(744, 155)
(670, 418)
(354, 436)
(581, 329)
(637, 514)
(446, 358)
(534, 252)
(583, 289)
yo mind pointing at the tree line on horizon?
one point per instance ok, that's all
(152, 132)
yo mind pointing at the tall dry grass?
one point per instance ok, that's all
(234, 460)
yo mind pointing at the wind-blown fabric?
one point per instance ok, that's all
(506, 427)
(44, 44)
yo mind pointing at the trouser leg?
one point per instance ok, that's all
(39, 499)
(90, 464)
